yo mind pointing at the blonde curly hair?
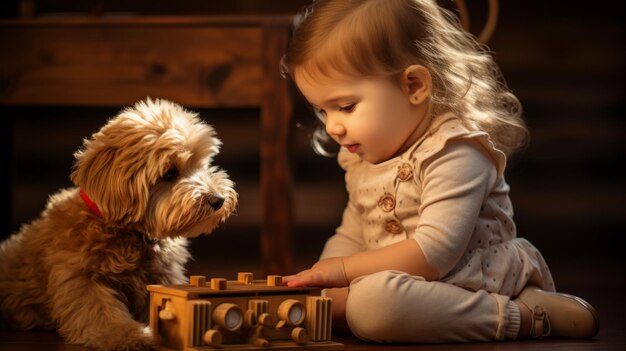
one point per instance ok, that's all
(374, 38)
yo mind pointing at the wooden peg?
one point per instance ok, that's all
(274, 280)
(245, 278)
(218, 283)
(197, 281)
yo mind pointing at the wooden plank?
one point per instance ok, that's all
(143, 7)
(8, 168)
(276, 186)
(91, 62)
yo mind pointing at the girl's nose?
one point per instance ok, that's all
(334, 126)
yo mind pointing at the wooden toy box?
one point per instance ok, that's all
(242, 314)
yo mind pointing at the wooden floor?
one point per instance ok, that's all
(44, 341)
(601, 282)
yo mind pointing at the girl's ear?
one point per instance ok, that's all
(418, 83)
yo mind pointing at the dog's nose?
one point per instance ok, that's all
(215, 202)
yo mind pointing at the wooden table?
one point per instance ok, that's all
(197, 61)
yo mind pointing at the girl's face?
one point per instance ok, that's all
(371, 117)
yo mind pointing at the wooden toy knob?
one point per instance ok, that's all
(250, 319)
(245, 277)
(212, 337)
(166, 315)
(299, 335)
(197, 281)
(228, 316)
(257, 340)
(274, 280)
(218, 283)
(265, 320)
(260, 342)
(292, 312)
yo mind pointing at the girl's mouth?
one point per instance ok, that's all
(353, 148)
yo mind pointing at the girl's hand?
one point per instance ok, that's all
(327, 273)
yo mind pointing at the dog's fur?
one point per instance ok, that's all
(149, 172)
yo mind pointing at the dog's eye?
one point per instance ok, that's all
(170, 175)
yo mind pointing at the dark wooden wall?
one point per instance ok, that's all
(565, 63)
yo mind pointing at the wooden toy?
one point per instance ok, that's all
(242, 314)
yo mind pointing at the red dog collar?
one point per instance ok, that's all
(92, 205)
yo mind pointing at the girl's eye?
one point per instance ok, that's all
(170, 175)
(347, 108)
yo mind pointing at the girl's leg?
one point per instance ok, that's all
(393, 306)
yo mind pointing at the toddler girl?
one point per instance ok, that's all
(427, 248)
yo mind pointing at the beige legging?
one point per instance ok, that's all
(393, 306)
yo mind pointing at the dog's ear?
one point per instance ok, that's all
(114, 183)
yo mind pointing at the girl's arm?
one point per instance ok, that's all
(405, 256)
